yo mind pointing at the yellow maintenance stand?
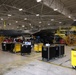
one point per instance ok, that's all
(73, 58)
(38, 47)
(17, 47)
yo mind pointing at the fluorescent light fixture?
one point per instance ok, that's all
(1, 18)
(60, 22)
(74, 19)
(16, 21)
(9, 15)
(55, 9)
(48, 24)
(25, 18)
(38, 0)
(20, 9)
(23, 25)
(37, 14)
(40, 22)
(69, 16)
(17, 27)
(9, 23)
(30, 24)
(52, 19)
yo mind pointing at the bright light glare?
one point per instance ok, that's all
(38, 0)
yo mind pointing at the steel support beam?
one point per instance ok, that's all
(57, 4)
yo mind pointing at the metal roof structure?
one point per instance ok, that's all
(33, 15)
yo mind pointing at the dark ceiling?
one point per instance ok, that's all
(27, 19)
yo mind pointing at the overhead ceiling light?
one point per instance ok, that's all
(37, 14)
(38, 0)
(23, 25)
(9, 15)
(17, 27)
(69, 16)
(48, 24)
(25, 18)
(1, 18)
(60, 22)
(16, 21)
(55, 9)
(20, 9)
(40, 22)
(52, 19)
(9, 23)
(74, 19)
(30, 24)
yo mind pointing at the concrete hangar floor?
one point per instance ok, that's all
(15, 64)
